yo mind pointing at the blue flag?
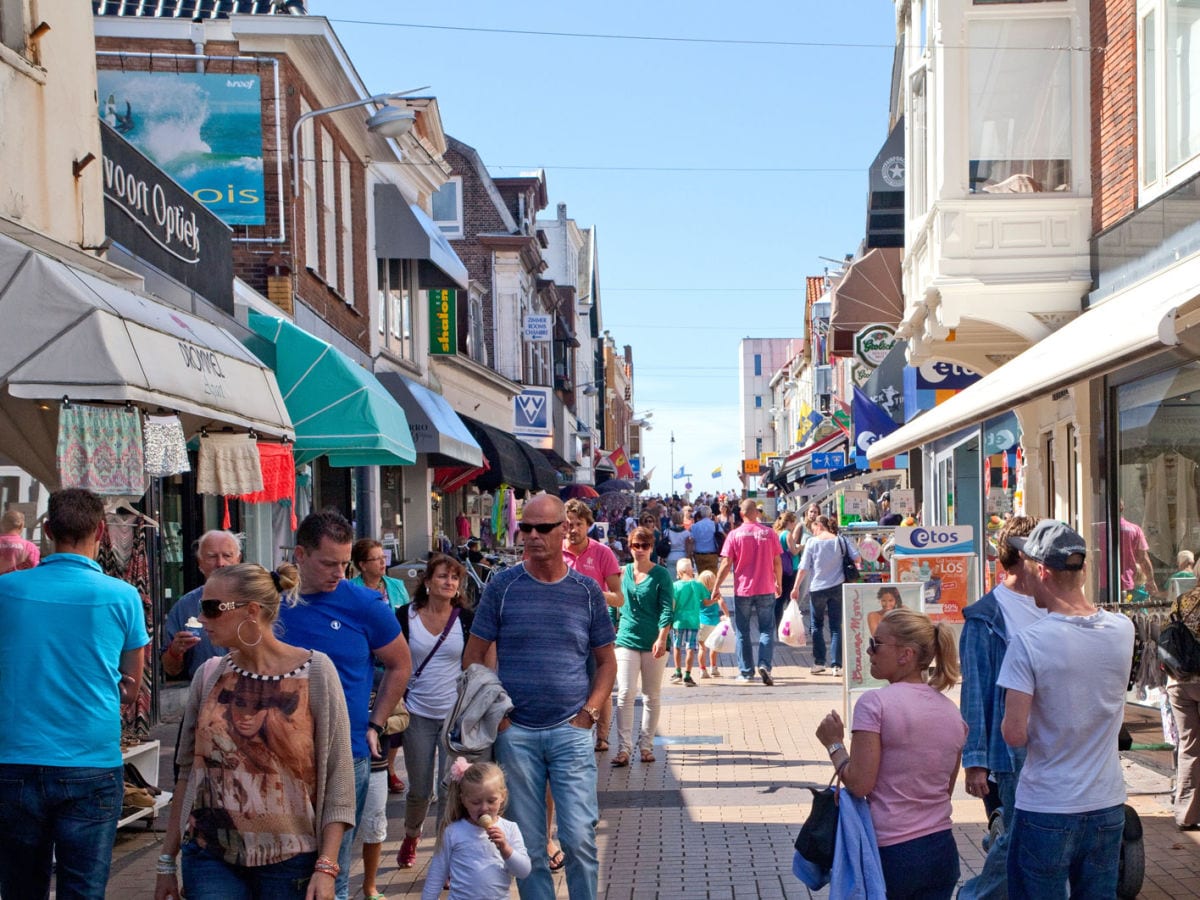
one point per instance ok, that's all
(871, 422)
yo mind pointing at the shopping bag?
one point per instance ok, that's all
(791, 626)
(722, 639)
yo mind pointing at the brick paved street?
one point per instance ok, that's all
(716, 815)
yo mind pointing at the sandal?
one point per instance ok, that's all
(647, 756)
(601, 745)
(557, 861)
(374, 897)
(620, 760)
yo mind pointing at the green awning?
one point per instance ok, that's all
(338, 408)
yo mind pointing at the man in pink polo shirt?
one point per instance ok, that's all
(752, 551)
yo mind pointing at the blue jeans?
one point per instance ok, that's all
(65, 813)
(208, 877)
(925, 868)
(362, 780)
(1048, 851)
(762, 607)
(564, 756)
(992, 882)
(827, 600)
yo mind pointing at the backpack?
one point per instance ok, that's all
(718, 537)
(662, 548)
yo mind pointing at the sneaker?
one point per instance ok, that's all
(704, 673)
(407, 857)
(747, 679)
(837, 671)
(817, 670)
(687, 680)
(716, 673)
(677, 677)
(765, 674)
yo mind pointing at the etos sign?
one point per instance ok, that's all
(935, 540)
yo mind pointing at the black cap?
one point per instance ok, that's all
(1053, 543)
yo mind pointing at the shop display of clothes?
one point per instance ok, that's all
(101, 448)
(278, 477)
(124, 554)
(165, 447)
(1172, 519)
(229, 465)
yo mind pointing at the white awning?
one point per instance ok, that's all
(1146, 318)
(71, 333)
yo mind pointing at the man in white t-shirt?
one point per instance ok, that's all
(1066, 678)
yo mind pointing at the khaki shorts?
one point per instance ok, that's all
(705, 631)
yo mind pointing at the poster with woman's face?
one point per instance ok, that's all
(863, 606)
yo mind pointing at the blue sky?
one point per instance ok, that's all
(690, 261)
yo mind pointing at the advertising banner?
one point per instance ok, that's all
(863, 605)
(443, 323)
(531, 412)
(945, 581)
(203, 130)
(934, 539)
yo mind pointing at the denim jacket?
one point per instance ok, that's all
(981, 649)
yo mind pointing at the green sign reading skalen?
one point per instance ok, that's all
(443, 322)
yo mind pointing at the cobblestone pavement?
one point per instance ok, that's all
(716, 815)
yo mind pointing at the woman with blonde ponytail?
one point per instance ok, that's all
(907, 745)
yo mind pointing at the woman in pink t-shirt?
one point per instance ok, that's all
(908, 740)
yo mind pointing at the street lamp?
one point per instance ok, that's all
(390, 121)
(672, 463)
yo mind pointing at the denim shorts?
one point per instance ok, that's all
(684, 638)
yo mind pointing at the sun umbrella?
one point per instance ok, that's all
(579, 491)
(615, 484)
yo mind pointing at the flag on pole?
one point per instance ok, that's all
(679, 474)
(871, 422)
(621, 463)
(716, 473)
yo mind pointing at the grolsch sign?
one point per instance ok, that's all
(159, 222)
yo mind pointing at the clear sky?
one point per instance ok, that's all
(718, 167)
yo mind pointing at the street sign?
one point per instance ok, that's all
(828, 460)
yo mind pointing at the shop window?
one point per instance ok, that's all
(1019, 78)
(1051, 485)
(447, 208)
(1158, 476)
(1168, 58)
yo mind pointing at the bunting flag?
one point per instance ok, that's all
(871, 422)
(716, 473)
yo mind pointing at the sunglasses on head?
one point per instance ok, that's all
(539, 527)
(213, 608)
(641, 546)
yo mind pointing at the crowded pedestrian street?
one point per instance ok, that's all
(715, 816)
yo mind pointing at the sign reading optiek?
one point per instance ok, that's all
(873, 343)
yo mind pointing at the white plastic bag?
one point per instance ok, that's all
(722, 639)
(791, 626)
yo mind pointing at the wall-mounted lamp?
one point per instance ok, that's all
(390, 122)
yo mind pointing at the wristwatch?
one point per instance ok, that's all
(835, 747)
(593, 713)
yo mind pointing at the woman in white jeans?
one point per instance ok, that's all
(641, 644)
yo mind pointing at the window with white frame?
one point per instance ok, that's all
(1019, 82)
(308, 189)
(1168, 60)
(329, 229)
(396, 306)
(447, 208)
(476, 339)
(14, 24)
(346, 229)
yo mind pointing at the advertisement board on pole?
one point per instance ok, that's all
(863, 605)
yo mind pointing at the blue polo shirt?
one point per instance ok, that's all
(346, 624)
(63, 628)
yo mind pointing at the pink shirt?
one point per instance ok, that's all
(752, 548)
(1133, 543)
(596, 561)
(921, 736)
(17, 553)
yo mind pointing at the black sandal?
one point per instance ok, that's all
(557, 861)
(601, 745)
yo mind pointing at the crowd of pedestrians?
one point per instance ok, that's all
(301, 674)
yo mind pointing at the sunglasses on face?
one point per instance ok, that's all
(212, 609)
(539, 527)
(874, 645)
(641, 546)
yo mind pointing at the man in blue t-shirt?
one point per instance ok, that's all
(349, 624)
(186, 649)
(545, 620)
(72, 649)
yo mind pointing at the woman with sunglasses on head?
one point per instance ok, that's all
(641, 644)
(905, 754)
(266, 783)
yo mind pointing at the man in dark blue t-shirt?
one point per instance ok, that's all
(349, 624)
(545, 620)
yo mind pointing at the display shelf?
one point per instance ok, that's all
(144, 758)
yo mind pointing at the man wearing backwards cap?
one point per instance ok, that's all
(1065, 678)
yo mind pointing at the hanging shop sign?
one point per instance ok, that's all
(538, 327)
(155, 219)
(750, 466)
(873, 343)
(443, 323)
(904, 502)
(531, 412)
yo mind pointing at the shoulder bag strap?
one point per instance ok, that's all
(441, 639)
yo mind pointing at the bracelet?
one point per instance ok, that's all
(835, 747)
(378, 729)
(326, 866)
(838, 770)
(166, 865)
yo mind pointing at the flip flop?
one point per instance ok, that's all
(647, 756)
(374, 897)
(557, 861)
(620, 760)
(601, 745)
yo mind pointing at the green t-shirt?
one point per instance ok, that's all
(647, 608)
(688, 597)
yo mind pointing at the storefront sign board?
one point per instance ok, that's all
(862, 608)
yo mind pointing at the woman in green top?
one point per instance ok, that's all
(641, 644)
(369, 559)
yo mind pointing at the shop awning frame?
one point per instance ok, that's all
(870, 293)
(1157, 314)
(404, 231)
(436, 429)
(339, 409)
(543, 475)
(507, 462)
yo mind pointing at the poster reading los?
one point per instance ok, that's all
(940, 558)
(203, 130)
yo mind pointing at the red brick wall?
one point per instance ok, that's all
(1114, 111)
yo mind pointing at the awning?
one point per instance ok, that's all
(404, 231)
(435, 427)
(1147, 318)
(559, 464)
(543, 474)
(339, 409)
(868, 294)
(72, 333)
(507, 462)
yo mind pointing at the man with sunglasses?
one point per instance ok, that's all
(185, 649)
(348, 623)
(1065, 676)
(545, 619)
(72, 650)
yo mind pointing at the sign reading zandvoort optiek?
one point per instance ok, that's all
(443, 322)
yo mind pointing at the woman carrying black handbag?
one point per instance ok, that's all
(823, 559)
(1183, 690)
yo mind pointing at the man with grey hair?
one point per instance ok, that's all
(186, 649)
(704, 535)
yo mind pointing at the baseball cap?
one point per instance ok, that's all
(1052, 543)
(886, 495)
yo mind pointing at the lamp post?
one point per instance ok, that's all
(390, 121)
(672, 464)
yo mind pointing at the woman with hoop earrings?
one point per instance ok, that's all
(266, 783)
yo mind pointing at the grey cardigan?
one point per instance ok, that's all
(333, 797)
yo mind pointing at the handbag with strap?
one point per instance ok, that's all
(1178, 649)
(398, 720)
(850, 573)
(818, 834)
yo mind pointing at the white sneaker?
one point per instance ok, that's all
(817, 670)
(716, 673)
(837, 671)
(704, 673)
(745, 678)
